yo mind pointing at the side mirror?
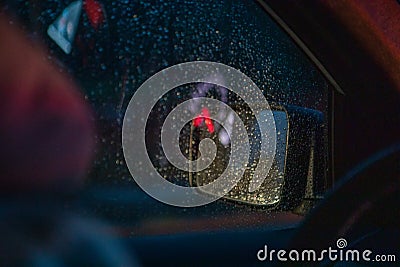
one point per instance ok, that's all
(298, 175)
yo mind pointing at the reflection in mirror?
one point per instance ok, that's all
(270, 190)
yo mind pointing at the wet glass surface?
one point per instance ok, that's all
(112, 56)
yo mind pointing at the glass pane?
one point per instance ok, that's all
(120, 44)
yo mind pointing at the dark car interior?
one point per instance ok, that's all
(68, 70)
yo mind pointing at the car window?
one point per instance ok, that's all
(117, 45)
